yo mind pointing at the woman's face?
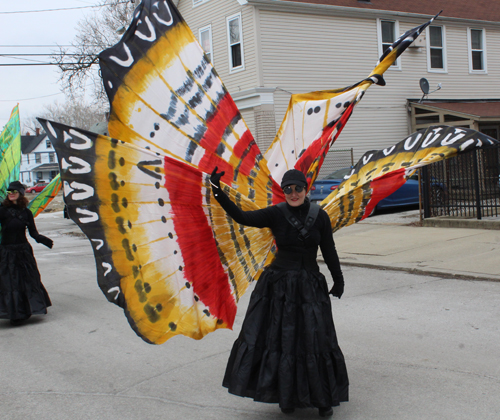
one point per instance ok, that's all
(295, 198)
(13, 196)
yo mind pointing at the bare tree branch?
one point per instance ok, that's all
(95, 33)
(75, 113)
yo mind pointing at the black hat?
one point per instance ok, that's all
(16, 185)
(294, 177)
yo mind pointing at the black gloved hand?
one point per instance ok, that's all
(45, 241)
(338, 288)
(215, 178)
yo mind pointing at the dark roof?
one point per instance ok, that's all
(487, 10)
(28, 143)
(486, 109)
(46, 167)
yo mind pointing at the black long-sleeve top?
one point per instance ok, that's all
(14, 221)
(293, 253)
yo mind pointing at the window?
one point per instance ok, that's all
(51, 157)
(387, 33)
(477, 50)
(235, 38)
(48, 144)
(38, 158)
(39, 176)
(206, 41)
(436, 51)
(53, 174)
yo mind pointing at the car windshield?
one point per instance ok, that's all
(339, 174)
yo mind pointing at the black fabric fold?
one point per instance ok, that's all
(287, 351)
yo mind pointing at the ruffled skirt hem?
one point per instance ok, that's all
(287, 351)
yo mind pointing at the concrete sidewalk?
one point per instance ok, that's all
(395, 242)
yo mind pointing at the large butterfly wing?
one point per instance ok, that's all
(43, 199)
(379, 173)
(151, 221)
(313, 121)
(10, 149)
(166, 96)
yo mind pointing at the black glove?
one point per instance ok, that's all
(215, 178)
(338, 288)
(45, 241)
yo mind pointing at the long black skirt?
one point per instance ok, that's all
(287, 351)
(21, 291)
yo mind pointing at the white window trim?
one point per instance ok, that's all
(209, 29)
(469, 50)
(242, 67)
(445, 55)
(197, 3)
(397, 63)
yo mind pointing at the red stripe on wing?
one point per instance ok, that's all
(384, 186)
(319, 147)
(203, 268)
(246, 149)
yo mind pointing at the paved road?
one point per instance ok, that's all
(416, 347)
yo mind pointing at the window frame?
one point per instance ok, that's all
(48, 144)
(484, 70)
(397, 63)
(197, 3)
(430, 69)
(229, 45)
(209, 29)
(38, 158)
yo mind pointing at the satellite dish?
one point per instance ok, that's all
(424, 85)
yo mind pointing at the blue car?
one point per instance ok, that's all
(407, 195)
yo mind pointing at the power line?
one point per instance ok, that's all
(31, 55)
(57, 10)
(37, 64)
(29, 99)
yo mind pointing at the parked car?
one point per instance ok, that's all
(39, 186)
(406, 195)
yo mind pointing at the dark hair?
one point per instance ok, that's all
(22, 202)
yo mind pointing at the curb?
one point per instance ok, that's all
(421, 272)
(446, 222)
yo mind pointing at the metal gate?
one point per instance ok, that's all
(467, 185)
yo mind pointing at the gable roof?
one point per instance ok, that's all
(486, 10)
(29, 143)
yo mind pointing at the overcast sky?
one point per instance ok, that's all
(34, 86)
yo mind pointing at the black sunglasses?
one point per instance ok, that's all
(12, 192)
(288, 189)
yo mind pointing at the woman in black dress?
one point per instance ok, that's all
(287, 351)
(21, 291)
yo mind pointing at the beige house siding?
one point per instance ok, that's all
(306, 52)
(215, 13)
(288, 51)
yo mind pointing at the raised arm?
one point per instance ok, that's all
(256, 218)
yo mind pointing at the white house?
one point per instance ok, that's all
(38, 159)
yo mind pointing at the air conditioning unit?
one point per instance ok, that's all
(419, 42)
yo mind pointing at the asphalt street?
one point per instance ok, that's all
(416, 347)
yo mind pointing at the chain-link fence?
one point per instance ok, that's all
(336, 159)
(467, 185)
